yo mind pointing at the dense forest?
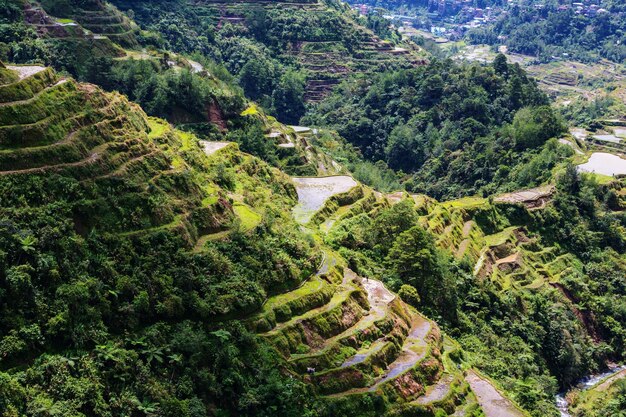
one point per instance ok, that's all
(455, 130)
(553, 32)
(154, 256)
(258, 52)
(522, 347)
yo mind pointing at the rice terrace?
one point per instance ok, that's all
(319, 208)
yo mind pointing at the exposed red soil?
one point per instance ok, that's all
(586, 317)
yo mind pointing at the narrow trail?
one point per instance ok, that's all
(493, 403)
(467, 228)
(121, 170)
(93, 157)
(67, 139)
(35, 96)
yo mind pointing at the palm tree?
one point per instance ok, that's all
(27, 243)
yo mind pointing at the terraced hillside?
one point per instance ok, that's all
(503, 245)
(86, 175)
(320, 37)
(295, 146)
(101, 176)
(356, 342)
(329, 57)
(52, 127)
(94, 18)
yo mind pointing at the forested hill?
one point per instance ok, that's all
(109, 296)
(456, 130)
(169, 247)
(145, 272)
(555, 31)
(285, 54)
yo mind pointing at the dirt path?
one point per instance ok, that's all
(462, 248)
(493, 403)
(93, 157)
(467, 228)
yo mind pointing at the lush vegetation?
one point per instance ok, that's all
(553, 32)
(136, 270)
(527, 338)
(455, 130)
(273, 51)
(107, 306)
(253, 52)
(601, 401)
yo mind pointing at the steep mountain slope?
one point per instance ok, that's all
(145, 271)
(456, 130)
(360, 345)
(258, 40)
(96, 16)
(114, 250)
(124, 238)
(30, 33)
(515, 282)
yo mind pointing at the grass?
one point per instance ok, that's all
(158, 127)
(500, 237)
(250, 111)
(602, 391)
(8, 76)
(466, 202)
(249, 218)
(602, 179)
(187, 139)
(65, 21)
(313, 285)
(212, 196)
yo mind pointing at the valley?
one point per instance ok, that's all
(252, 208)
